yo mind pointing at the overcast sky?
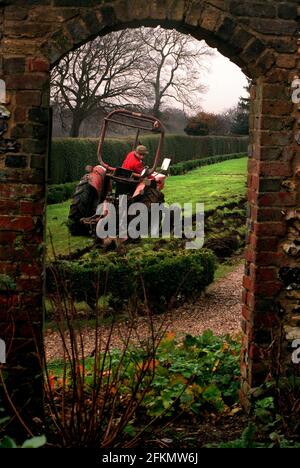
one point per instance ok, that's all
(226, 84)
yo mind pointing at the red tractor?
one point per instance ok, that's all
(103, 184)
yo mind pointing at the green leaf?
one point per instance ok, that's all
(7, 442)
(35, 442)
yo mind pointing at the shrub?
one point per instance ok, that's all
(60, 193)
(70, 155)
(164, 274)
(186, 166)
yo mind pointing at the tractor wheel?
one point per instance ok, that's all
(151, 195)
(84, 204)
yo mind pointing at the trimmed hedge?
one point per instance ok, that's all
(69, 156)
(184, 167)
(165, 274)
(59, 193)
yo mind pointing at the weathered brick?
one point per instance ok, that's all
(286, 61)
(37, 162)
(16, 160)
(14, 65)
(34, 146)
(27, 81)
(287, 11)
(7, 237)
(269, 228)
(31, 208)
(277, 199)
(20, 114)
(279, 169)
(277, 107)
(28, 98)
(274, 27)
(38, 115)
(271, 138)
(20, 223)
(9, 207)
(253, 50)
(256, 9)
(77, 30)
(38, 65)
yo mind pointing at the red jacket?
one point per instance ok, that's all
(133, 163)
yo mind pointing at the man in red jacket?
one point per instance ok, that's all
(134, 159)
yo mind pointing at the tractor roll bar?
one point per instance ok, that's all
(156, 125)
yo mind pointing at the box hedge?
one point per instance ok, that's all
(69, 156)
(165, 274)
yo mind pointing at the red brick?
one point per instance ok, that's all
(253, 167)
(280, 169)
(266, 320)
(7, 237)
(20, 114)
(255, 352)
(271, 229)
(27, 82)
(268, 289)
(271, 138)
(31, 208)
(269, 258)
(38, 65)
(278, 199)
(253, 182)
(251, 195)
(6, 252)
(20, 223)
(31, 270)
(277, 107)
(29, 98)
(7, 268)
(248, 283)
(249, 254)
(245, 312)
(9, 207)
(269, 214)
(32, 284)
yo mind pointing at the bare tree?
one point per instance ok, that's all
(101, 73)
(173, 66)
(145, 68)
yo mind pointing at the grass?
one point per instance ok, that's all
(212, 185)
(227, 267)
(57, 216)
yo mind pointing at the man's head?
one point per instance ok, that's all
(141, 151)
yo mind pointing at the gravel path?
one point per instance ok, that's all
(219, 310)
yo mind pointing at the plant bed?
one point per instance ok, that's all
(139, 275)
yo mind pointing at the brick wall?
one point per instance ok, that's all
(260, 37)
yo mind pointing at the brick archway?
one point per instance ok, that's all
(260, 37)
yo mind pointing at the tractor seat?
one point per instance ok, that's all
(125, 183)
(123, 173)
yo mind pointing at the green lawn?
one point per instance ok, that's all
(213, 185)
(57, 216)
